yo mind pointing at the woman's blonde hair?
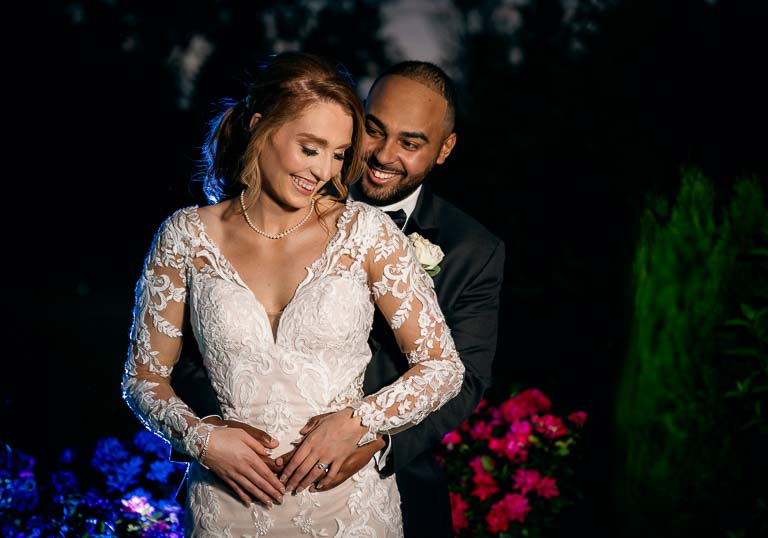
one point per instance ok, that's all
(284, 86)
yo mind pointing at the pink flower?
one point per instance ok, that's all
(535, 399)
(482, 403)
(458, 512)
(549, 426)
(481, 430)
(516, 441)
(496, 416)
(514, 449)
(477, 465)
(547, 488)
(515, 409)
(485, 486)
(526, 480)
(452, 438)
(578, 418)
(515, 506)
(497, 518)
(497, 445)
(521, 429)
(138, 505)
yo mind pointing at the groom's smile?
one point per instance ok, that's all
(406, 134)
(380, 174)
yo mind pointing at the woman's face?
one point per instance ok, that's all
(305, 153)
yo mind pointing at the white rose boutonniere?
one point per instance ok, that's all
(427, 254)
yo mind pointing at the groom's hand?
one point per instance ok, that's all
(352, 464)
(260, 435)
(356, 461)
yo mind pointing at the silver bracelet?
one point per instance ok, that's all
(204, 451)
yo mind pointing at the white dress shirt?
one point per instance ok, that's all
(407, 204)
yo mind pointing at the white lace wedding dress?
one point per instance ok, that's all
(314, 364)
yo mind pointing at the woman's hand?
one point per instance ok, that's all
(328, 440)
(236, 457)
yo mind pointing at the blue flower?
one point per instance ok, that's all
(6, 489)
(151, 443)
(169, 506)
(67, 457)
(140, 492)
(63, 481)
(121, 476)
(108, 452)
(70, 504)
(159, 470)
(25, 487)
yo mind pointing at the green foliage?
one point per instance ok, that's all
(677, 428)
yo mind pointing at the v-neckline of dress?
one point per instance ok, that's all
(310, 269)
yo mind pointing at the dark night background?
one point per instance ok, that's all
(572, 114)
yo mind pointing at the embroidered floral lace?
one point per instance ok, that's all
(319, 351)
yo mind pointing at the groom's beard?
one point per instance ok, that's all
(392, 192)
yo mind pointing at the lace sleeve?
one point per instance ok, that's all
(405, 295)
(155, 342)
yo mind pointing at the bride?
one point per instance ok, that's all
(278, 283)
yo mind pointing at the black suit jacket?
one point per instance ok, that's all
(468, 288)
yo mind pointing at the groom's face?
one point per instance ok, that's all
(406, 134)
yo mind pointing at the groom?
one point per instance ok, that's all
(410, 112)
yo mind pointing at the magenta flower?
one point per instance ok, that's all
(497, 445)
(481, 431)
(515, 409)
(549, 426)
(458, 512)
(497, 518)
(516, 441)
(491, 488)
(477, 465)
(485, 486)
(514, 449)
(536, 400)
(526, 480)
(578, 418)
(547, 488)
(515, 506)
(451, 438)
(522, 430)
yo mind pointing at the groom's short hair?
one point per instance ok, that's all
(432, 77)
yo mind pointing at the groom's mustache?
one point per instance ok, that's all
(374, 162)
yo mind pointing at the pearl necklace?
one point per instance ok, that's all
(281, 234)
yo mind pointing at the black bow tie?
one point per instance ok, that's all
(398, 216)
